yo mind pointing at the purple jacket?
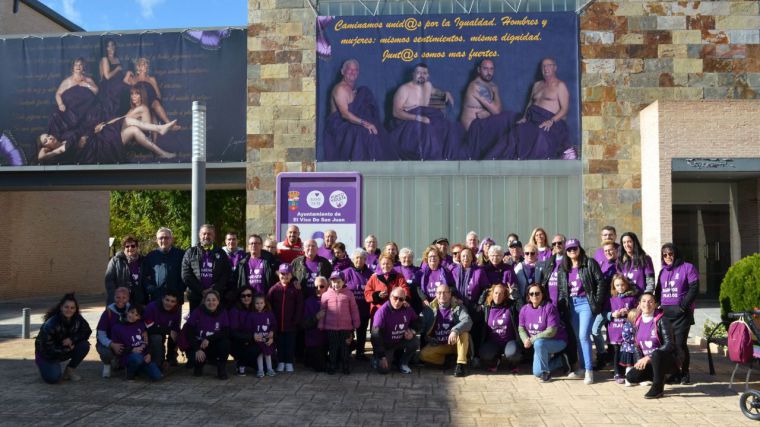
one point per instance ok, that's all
(160, 321)
(313, 336)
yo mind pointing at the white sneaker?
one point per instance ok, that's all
(577, 374)
(106, 371)
(629, 384)
(289, 367)
(589, 378)
(646, 383)
(280, 367)
(405, 369)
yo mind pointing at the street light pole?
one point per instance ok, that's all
(199, 170)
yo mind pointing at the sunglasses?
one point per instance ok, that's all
(555, 244)
(455, 253)
(530, 253)
(321, 287)
(130, 246)
(572, 249)
(534, 294)
(667, 254)
(246, 296)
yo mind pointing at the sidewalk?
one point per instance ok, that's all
(427, 397)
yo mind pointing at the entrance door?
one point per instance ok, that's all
(702, 233)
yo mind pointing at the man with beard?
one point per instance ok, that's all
(482, 117)
(421, 132)
(542, 133)
(292, 247)
(205, 266)
(353, 130)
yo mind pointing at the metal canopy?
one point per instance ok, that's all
(423, 7)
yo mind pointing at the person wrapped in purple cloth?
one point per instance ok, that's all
(353, 131)
(487, 125)
(133, 335)
(542, 132)
(422, 132)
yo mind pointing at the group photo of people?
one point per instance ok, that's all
(548, 307)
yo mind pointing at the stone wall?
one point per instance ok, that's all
(281, 115)
(634, 53)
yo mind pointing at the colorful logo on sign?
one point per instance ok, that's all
(293, 198)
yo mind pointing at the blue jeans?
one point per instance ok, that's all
(581, 318)
(542, 348)
(596, 332)
(50, 370)
(136, 364)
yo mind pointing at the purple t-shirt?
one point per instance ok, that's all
(355, 282)
(537, 320)
(637, 275)
(443, 324)
(674, 282)
(256, 275)
(155, 313)
(111, 317)
(207, 268)
(235, 257)
(499, 325)
(574, 283)
(545, 254)
(615, 327)
(261, 323)
(394, 322)
(206, 325)
(134, 271)
(325, 253)
(432, 278)
(131, 336)
(372, 261)
(312, 271)
(646, 336)
(553, 285)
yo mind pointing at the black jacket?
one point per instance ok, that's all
(593, 282)
(49, 342)
(191, 271)
(302, 275)
(162, 272)
(118, 275)
(544, 271)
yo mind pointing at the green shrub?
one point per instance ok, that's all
(708, 327)
(740, 290)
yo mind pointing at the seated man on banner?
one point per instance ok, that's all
(542, 132)
(482, 116)
(353, 130)
(420, 131)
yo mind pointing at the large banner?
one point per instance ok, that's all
(448, 87)
(108, 99)
(319, 201)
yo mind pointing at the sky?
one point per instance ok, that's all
(114, 15)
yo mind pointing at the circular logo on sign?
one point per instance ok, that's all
(315, 199)
(338, 199)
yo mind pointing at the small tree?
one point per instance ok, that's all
(740, 290)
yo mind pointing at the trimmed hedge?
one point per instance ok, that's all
(740, 289)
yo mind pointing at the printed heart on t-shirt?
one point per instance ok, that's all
(648, 344)
(500, 321)
(401, 325)
(264, 327)
(256, 271)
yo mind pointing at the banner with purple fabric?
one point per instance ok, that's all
(121, 98)
(448, 87)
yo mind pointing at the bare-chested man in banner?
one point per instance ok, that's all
(542, 133)
(482, 116)
(421, 131)
(353, 130)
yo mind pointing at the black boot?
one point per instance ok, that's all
(685, 378)
(601, 361)
(221, 370)
(655, 392)
(674, 378)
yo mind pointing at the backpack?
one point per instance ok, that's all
(739, 342)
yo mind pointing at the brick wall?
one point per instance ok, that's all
(634, 53)
(54, 242)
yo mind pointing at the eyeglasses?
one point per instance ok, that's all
(667, 254)
(130, 246)
(246, 296)
(572, 249)
(455, 253)
(534, 294)
(321, 287)
(530, 253)
(555, 244)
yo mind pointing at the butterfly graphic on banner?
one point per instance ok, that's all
(324, 50)
(208, 39)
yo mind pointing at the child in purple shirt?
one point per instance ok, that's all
(624, 298)
(133, 335)
(263, 325)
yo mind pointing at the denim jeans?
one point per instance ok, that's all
(596, 332)
(50, 370)
(582, 319)
(136, 364)
(542, 348)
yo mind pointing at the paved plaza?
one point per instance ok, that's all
(427, 397)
